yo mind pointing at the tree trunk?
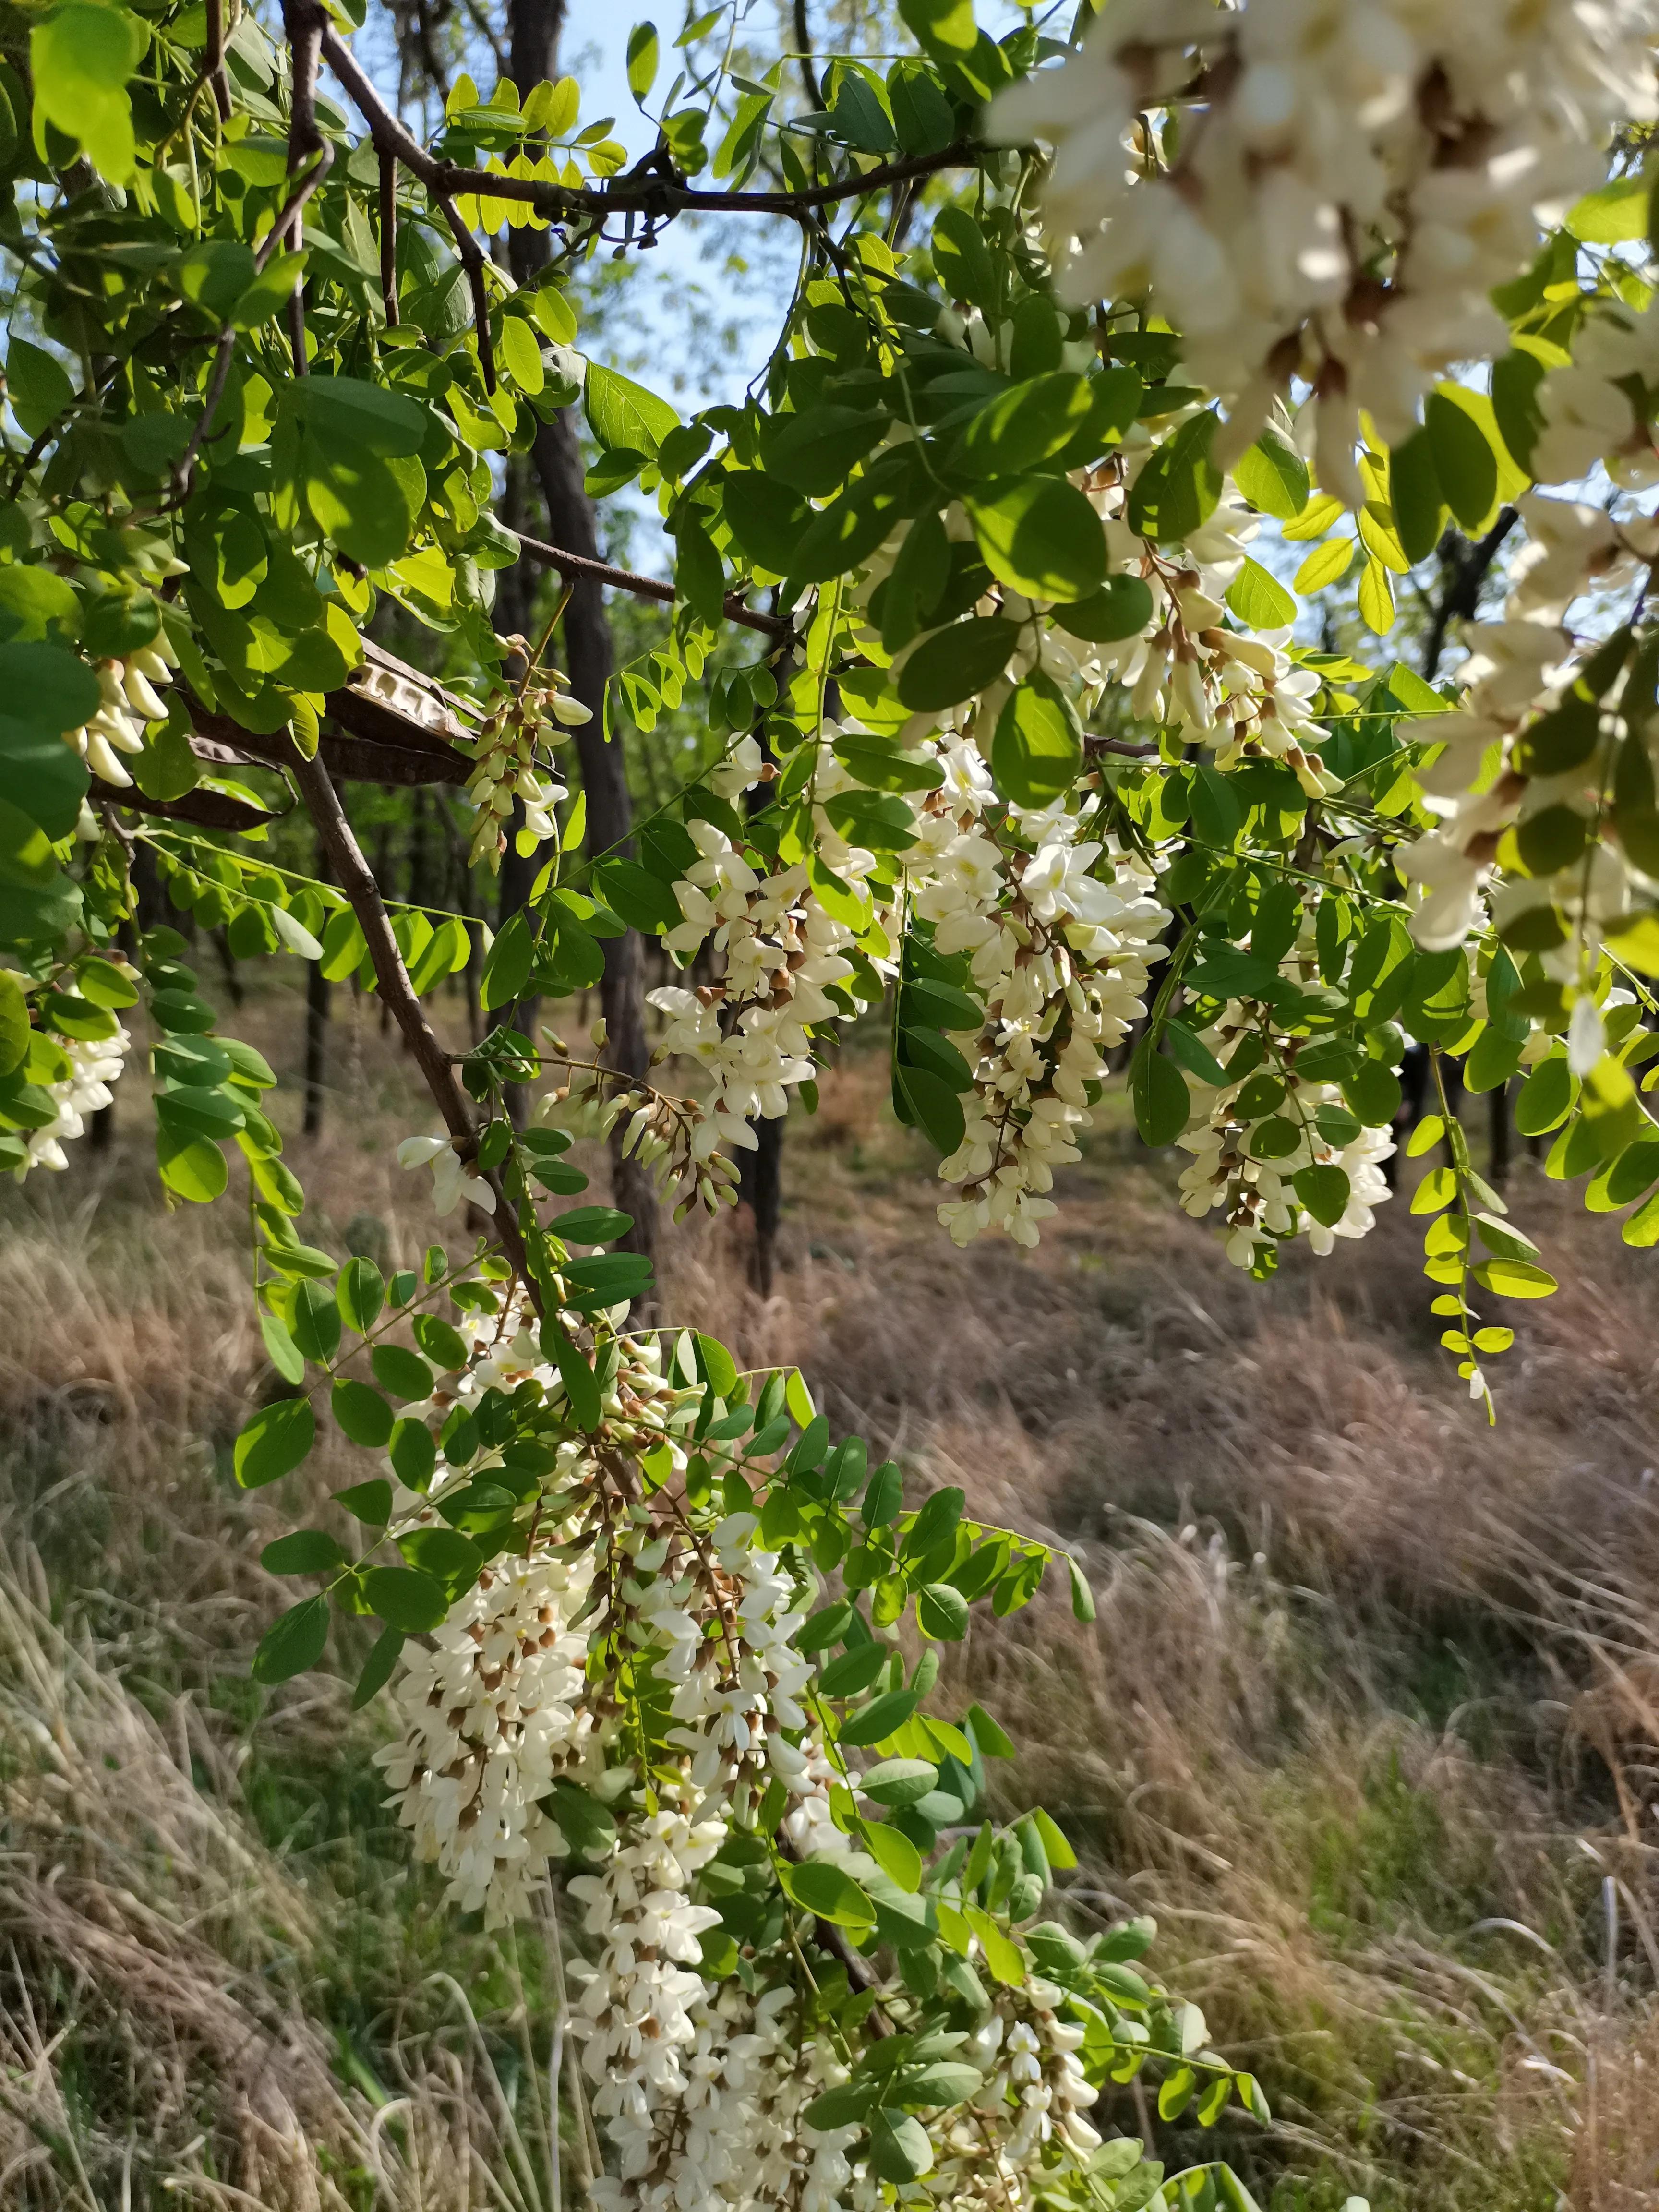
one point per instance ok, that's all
(557, 460)
(318, 993)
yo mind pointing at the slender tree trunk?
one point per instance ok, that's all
(556, 461)
(319, 993)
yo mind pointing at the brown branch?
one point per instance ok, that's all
(303, 21)
(213, 67)
(1463, 570)
(356, 879)
(389, 238)
(642, 587)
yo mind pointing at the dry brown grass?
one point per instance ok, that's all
(1369, 1719)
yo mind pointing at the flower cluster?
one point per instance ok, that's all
(489, 1717)
(94, 1065)
(1060, 951)
(990, 2152)
(129, 700)
(1252, 1137)
(1527, 741)
(1588, 413)
(1336, 188)
(506, 771)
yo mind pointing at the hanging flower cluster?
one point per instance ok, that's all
(1062, 952)
(1327, 192)
(1281, 1156)
(508, 770)
(130, 700)
(1529, 763)
(488, 1717)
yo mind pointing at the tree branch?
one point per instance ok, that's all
(356, 879)
(1465, 571)
(642, 587)
(651, 195)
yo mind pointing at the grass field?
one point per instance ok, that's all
(1369, 1720)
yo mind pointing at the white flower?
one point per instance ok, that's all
(451, 1183)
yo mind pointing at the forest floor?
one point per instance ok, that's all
(1369, 1720)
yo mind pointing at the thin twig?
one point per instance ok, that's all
(642, 587)
(356, 879)
(213, 66)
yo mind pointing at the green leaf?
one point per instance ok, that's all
(293, 1643)
(1464, 463)
(377, 1668)
(443, 1346)
(1023, 425)
(37, 386)
(765, 517)
(1324, 565)
(943, 28)
(929, 1103)
(644, 901)
(1615, 214)
(1040, 535)
(642, 51)
(621, 413)
(877, 1720)
(1419, 507)
(1056, 1844)
(362, 1414)
(899, 2148)
(1083, 1598)
(405, 1599)
(14, 1023)
(1260, 600)
(362, 1295)
(588, 1825)
(369, 1502)
(274, 1442)
(1180, 488)
(1515, 1278)
(413, 1453)
(1121, 608)
(991, 1739)
(963, 259)
(314, 1322)
(851, 1674)
(1376, 598)
(952, 665)
(348, 416)
(1161, 1099)
(1037, 750)
(307, 1551)
(582, 1387)
(80, 60)
(1273, 478)
(821, 1889)
(942, 1613)
(402, 1372)
(894, 1853)
(1325, 1192)
(898, 1781)
(507, 971)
